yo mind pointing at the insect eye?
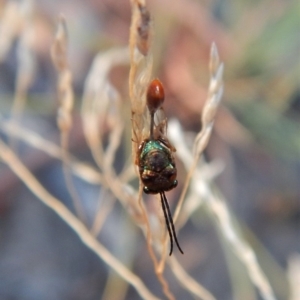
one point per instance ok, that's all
(172, 177)
(155, 95)
(146, 190)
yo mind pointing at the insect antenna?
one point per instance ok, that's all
(167, 208)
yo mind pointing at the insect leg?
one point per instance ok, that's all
(171, 220)
(167, 221)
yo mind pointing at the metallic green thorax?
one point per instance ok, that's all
(157, 166)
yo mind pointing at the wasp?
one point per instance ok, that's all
(156, 161)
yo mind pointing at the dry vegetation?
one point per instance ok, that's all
(105, 120)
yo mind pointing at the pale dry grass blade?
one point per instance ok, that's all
(25, 62)
(201, 187)
(128, 172)
(208, 171)
(106, 204)
(202, 191)
(100, 104)
(59, 57)
(123, 192)
(11, 22)
(294, 276)
(59, 51)
(188, 282)
(101, 109)
(239, 246)
(80, 169)
(215, 92)
(110, 291)
(87, 238)
(115, 128)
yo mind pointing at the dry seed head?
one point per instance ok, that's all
(214, 61)
(141, 62)
(143, 30)
(215, 92)
(59, 47)
(65, 90)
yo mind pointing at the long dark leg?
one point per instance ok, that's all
(167, 221)
(171, 220)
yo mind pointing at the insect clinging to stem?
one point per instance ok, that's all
(156, 161)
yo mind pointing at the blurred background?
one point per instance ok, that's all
(256, 135)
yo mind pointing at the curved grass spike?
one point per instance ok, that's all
(156, 162)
